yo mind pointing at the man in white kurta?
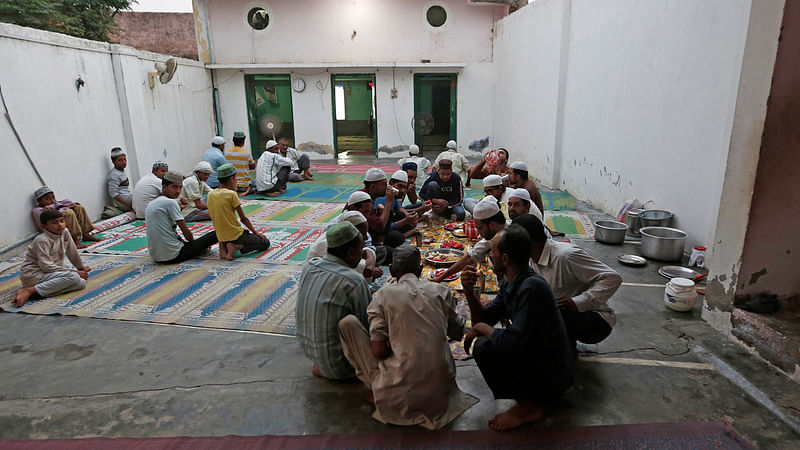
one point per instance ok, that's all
(413, 377)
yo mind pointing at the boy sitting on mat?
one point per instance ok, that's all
(223, 206)
(75, 216)
(43, 272)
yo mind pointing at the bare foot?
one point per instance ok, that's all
(23, 295)
(223, 250)
(521, 413)
(232, 249)
(91, 237)
(282, 191)
(369, 396)
(307, 175)
(272, 194)
(79, 244)
(317, 373)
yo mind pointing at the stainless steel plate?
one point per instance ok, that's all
(677, 271)
(632, 260)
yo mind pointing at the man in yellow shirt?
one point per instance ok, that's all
(223, 206)
(243, 162)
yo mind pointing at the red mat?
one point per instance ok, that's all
(704, 435)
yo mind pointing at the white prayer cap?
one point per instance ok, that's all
(203, 166)
(451, 144)
(519, 165)
(116, 151)
(375, 174)
(41, 192)
(520, 193)
(358, 197)
(400, 176)
(492, 180)
(271, 143)
(486, 208)
(217, 140)
(413, 149)
(354, 217)
(173, 176)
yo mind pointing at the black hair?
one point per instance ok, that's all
(165, 182)
(521, 173)
(446, 164)
(224, 180)
(341, 251)
(532, 225)
(516, 244)
(497, 218)
(239, 141)
(49, 214)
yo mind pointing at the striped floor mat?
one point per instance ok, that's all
(212, 294)
(576, 225)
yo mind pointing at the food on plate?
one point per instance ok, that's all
(453, 244)
(439, 272)
(453, 226)
(442, 257)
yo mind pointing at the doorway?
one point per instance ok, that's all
(269, 110)
(434, 119)
(354, 113)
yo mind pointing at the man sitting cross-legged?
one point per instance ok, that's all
(161, 216)
(223, 207)
(414, 203)
(492, 187)
(405, 359)
(43, 273)
(329, 290)
(519, 203)
(489, 220)
(272, 171)
(194, 187)
(518, 178)
(379, 219)
(399, 219)
(530, 359)
(301, 164)
(443, 188)
(581, 284)
(75, 216)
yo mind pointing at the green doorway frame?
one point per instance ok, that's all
(428, 88)
(268, 94)
(360, 80)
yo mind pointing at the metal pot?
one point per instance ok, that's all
(610, 231)
(655, 218)
(662, 243)
(632, 219)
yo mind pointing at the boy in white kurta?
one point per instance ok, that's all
(43, 272)
(405, 359)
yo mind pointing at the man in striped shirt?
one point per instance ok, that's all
(243, 161)
(329, 290)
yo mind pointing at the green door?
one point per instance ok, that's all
(354, 125)
(269, 110)
(434, 119)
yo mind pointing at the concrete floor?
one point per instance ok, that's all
(75, 377)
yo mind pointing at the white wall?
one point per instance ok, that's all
(69, 132)
(349, 31)
(645, 100)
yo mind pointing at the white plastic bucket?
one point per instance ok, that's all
(680, 294)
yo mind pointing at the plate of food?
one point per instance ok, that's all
(454, 226)
(442, 257)
(453, 244)
(459, 233)
(439, 272)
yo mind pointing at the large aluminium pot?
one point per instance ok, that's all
(655, 218)
(610, 231)
(663, 243)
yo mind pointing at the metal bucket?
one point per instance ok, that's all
(609, 231)
(632, 219)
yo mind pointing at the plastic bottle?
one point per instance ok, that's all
(698, 256)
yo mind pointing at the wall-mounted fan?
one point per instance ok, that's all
(164, 72)
(422, 123)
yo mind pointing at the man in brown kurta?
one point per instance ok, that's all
(405, 358)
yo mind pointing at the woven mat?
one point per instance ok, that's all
(352, 168)
(576, 225)
(288, 243)
(213, 294)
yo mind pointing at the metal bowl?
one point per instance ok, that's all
(663, 243)
(434, 263)
(655, 218)
(610, 231)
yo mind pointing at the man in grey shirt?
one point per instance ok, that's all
(118, 183)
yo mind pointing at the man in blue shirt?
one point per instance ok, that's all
(530, 360)
(443, 189)
(216, 157)
(399, 219)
